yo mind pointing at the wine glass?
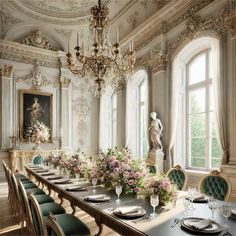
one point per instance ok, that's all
(212, 204)
(77, 176)
(154, 201)
(186, 203)
(191, 195)
(226, 212)
(118, 192)
(67, 172)
(94, 183)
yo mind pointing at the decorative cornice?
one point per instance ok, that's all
(36, 80)
(24, 54)
(6, 70)
(36, 39)
(171, 23)
(196, 25)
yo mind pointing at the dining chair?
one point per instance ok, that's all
(38, 159)
(177, 176)
(59, 224)
(215, 184)
(44, 200)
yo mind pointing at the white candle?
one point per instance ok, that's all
(77, 39)
(117, 34)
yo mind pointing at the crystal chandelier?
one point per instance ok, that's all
(103, 63)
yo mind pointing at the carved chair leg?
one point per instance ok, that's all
(61, 199)
(73, 208)
(100, 229)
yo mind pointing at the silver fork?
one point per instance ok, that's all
(176, 221)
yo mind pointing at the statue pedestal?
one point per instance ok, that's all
(156, 158)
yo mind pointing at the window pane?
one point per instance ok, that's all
(215, 153)
(197, 125)
(196, 69)
(197, 152)
(197, 101)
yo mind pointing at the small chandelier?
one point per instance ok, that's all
(103, 63)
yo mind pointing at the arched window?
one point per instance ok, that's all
(196, 144)
(137, 114)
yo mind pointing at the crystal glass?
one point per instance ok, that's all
(118, 192)
(58, 168)
(225, 211)
(94, 183)
(212, 204)
(186, 203)
(154, 201)
(77, 176)
(191, 195)
(67, 172)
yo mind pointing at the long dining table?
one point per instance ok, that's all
(103, 212)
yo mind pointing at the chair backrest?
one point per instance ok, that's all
(216, 185)
(53, 227)
(25, 205)
(38, 159)
(37, 218)
(5, 168)
(177, 176)
(14, 185)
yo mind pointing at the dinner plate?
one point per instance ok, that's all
(62, 181)
(97, 198)
(211, 229)
(119, 211)
(55, 177)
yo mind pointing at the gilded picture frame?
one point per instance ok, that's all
(35, 105)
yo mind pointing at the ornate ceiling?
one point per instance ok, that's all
(61, 19)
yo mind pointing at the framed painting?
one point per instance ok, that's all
(35, 106)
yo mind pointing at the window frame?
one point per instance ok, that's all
(204, 84)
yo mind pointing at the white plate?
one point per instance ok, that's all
(118, 211)
(212, 229)
(97, 198)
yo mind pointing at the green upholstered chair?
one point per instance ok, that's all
(44, 200)
(38, 159)
(216, 185)
(69, 224)
(177, 176)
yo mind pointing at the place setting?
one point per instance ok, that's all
(74, 188)
(55, 177)
(62, 181)
(96, 198)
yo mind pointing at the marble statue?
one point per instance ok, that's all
(156, 132)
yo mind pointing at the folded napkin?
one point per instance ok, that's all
(129, 210)
(233, 212)
(200, 225)
(96, 197)
(199, 197)
(75, 188)
(54, 177)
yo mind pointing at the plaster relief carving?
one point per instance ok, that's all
(6, 70)
(132, 20)
(36, 39)
(35, 79)
(196, 25)
(65, 82)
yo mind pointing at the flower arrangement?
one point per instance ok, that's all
(37, 131)
(76, 163)
(117, 168)
(159, 185)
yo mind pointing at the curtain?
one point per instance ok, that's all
(172, 116)
(219, 88)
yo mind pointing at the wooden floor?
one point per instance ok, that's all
(10, 227)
